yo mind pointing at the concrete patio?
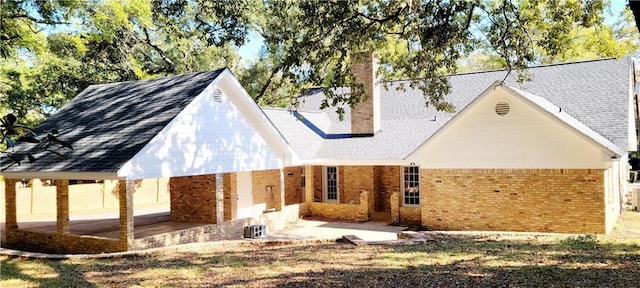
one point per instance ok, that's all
(154, 222)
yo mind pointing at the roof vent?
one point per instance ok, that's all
(503, 108)
(216, 95)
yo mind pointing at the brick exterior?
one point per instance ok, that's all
(10, 204)
(317, 183)
(411, 216)
(364, 66)
(310, 185)
(266, 188)
(387, 181)
(358, 212)
(356, 179)
(62, 206)
(125, 196)
(293, 185)
(51, 242)
(227, 230)
(230, 196)
(193, 199)
(534, 200)
(395, 207)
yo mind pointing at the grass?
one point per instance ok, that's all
(447, 260)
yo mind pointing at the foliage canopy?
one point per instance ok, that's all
(52, 50)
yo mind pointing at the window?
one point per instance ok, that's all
(303, 180)
(411, 184)
(331, 183)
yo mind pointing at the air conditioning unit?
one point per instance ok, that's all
(255, 231)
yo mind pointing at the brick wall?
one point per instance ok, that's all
(535, 200)
(356, 180)
(230, 196)
(293, 185)
(358, 212)
(404, 215)
(228, 230)
(387, 181)
(266, 184)
(317, 183)
(193, 199)
(410, 216)
(49, 242)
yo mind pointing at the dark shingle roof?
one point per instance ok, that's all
(594, 92)
(108, 124)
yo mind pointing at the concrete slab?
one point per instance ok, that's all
(314, 229)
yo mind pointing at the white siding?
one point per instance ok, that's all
(616, 185)
(526, 137)
(207, 137)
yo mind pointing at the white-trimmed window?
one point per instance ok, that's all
(331, 187)
(411, 186)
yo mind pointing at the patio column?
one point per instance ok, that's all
(62, 206)
(395, 207)
(308, 184)
(219, 198)
(11, 220)
(125, 193)
(280, 196)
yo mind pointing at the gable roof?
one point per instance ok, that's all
(594, 93)
(541, 104)
(108, 124)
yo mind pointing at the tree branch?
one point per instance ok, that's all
(266, 85)
(165, 58)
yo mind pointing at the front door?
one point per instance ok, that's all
(245, 195)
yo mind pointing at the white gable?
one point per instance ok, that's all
(216, 133)
(528, 136)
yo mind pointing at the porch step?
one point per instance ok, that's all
(380, 216)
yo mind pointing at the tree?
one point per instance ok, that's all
(49, 143)
(111, 42)
(309, 43)
(598, 41)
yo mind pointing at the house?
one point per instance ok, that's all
(548, 155)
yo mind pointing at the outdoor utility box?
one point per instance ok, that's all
(635, 199)
(255, 231)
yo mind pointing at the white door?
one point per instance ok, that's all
(245, 196)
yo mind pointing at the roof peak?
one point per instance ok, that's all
(167, 77)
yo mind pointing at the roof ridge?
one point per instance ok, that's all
(159, 78)
(505, 69)
(490, 71)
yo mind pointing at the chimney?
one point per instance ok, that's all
(365, 116)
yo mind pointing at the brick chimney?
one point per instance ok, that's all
(365, 116)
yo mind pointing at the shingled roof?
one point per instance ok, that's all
(596, 93)
(108, 124)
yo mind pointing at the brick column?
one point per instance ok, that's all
(308, 184)
(364, 204)
(11, 220)
(125, 193)
(230, 197)
(219, 198)
(280, 194)
(62, 206)
(395, 207)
